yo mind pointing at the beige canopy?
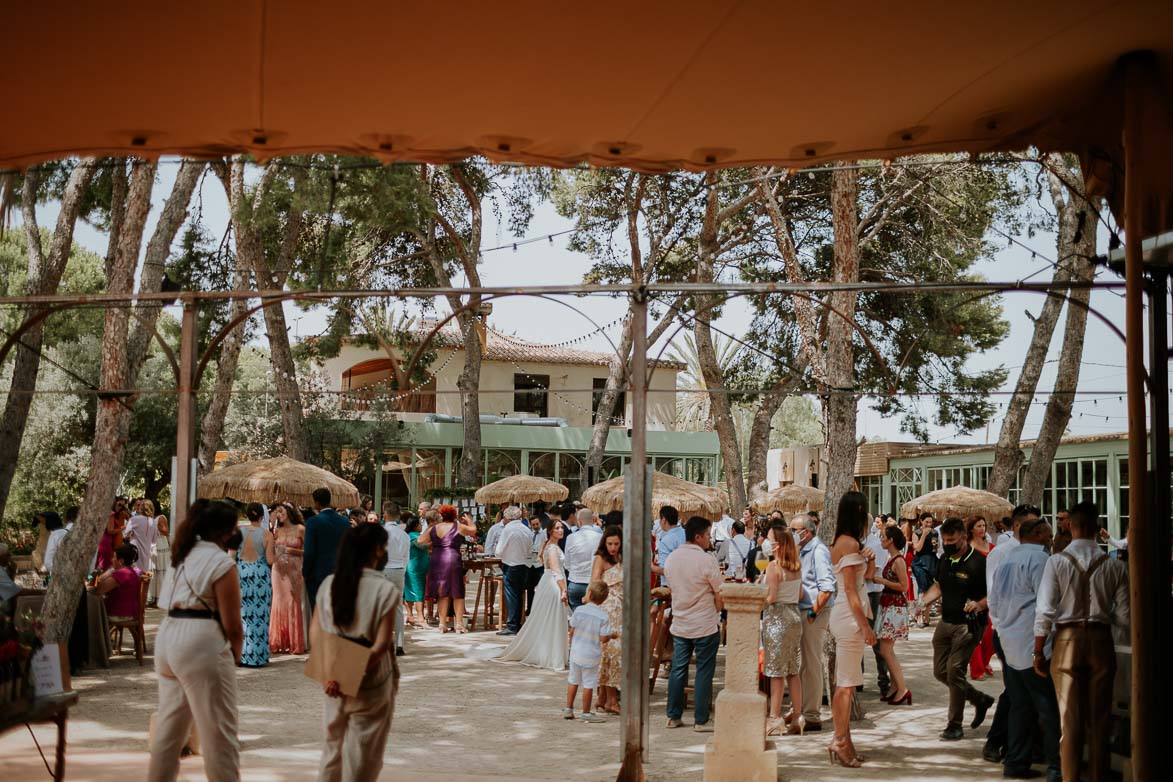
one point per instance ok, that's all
(271, 480)
(789, 499)
(521, 488)
(648, 84)
(959, 501)
(690, 499)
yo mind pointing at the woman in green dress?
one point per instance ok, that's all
(416, 577)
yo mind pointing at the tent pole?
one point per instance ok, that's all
(636, 562)
(1147, 701)
(185, 429)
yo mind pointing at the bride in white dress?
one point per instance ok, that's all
(542, 641)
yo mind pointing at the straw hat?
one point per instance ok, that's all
(789, 499)
(278, 479)
(958, 501)
(521, 488)
(690, 499)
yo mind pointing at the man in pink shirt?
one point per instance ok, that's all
(696, 618)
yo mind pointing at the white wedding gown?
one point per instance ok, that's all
(542, 641)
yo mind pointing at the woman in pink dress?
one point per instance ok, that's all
(112, 536)
(286, 625)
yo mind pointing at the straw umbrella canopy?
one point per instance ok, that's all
(690, 499)
(278, 479)
(521, 489)
(958, 501)
(789, 499)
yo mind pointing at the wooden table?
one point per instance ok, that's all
(49, 708)
(97, 621)
(485, 566)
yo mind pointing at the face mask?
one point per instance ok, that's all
(234, 541)
(767, 547)
(950, 549)
(797, 538)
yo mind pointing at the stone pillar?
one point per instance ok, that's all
(738, 750)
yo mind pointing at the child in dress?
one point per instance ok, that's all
(590, 628)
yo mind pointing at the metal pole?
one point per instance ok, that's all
(636, 561)
(1147, 703)
(185, 435)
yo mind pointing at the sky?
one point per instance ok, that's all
(550, 262)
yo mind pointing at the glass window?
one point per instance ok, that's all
(429, 471)
(619, 414)
(543, 465)
(872, 487)
(570, 470)
(612, 467)
(699, 470)
(501, 464)
(530, 393)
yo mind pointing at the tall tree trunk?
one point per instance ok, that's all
(1077, 243)
(73, 559)
(715, 385)
(212, 424)
(1007, 453)
(44, 275)
(759, 434)
(470, 471)
(616, 378)
(285, 379)
(840, 409)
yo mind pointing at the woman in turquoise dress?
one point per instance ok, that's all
(416, 577)
(254, 561)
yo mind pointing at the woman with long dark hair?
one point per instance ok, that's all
(853, 565)
(357, 603)
(198, 646)
(608, 568)
(286, 622)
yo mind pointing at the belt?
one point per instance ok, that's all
(1082, 625)
(358, 640)
(193, 613)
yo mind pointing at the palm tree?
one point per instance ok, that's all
(693, 411)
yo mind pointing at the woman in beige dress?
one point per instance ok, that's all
(608, 568)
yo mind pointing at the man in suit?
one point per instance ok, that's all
(323, 531)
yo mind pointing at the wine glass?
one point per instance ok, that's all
(761, 560)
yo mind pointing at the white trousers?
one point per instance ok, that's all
(197, 678)
(396, 577)
(356, 734)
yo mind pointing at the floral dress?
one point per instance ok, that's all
(892, 618)
(611, 664)
(256, 596)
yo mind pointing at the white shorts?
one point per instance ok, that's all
(581, 675)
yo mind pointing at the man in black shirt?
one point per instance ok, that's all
(961, 587)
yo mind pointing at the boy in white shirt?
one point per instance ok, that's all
(590, 628)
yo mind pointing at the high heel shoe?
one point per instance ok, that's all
(834, 757)
(797, 726)
(903, 700)
(775, 726)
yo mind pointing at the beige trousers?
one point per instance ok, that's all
(356, 734)
(197, 678)
(814, 660)
(1083, 667)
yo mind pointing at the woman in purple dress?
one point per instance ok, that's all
(446, 574)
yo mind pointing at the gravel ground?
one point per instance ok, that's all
(459, 719)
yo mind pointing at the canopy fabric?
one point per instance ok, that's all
(654, 85)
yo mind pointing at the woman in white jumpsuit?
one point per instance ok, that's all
(358, 604)
(198, 646)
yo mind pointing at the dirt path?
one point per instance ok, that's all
(459, 719)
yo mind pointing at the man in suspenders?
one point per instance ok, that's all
(1082, 595)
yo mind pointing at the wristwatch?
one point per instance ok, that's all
(812, 613)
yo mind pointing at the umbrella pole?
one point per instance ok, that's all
(636, 564)
(183, 491)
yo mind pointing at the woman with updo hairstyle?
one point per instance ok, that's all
(254, 560)
(358, 604)
(446, 576)
(120, 585)
(198, 646)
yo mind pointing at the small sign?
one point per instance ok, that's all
(46, 665)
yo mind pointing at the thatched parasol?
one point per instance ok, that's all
(279, 479)
(789, 499)
(521, 488)
(959, 501)
(690, 499)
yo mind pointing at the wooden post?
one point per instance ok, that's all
(185, 435)
(637, 597)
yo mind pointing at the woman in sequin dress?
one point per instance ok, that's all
(782, 629)
(608, 568)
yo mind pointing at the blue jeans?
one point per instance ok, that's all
(516, 579)
(706, 663)
(575, 592)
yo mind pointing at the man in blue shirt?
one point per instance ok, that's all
(671, 539)
(818, 593)
(1012, 598)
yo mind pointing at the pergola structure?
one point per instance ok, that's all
(655, 86)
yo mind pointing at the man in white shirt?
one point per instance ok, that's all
(398, 552)
(141, 531)
(723, 529)
(514, 548)
(580, 556)
(493, 536)
(874, 543)
(734, 549)
(1083, 594)
(696, 617)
